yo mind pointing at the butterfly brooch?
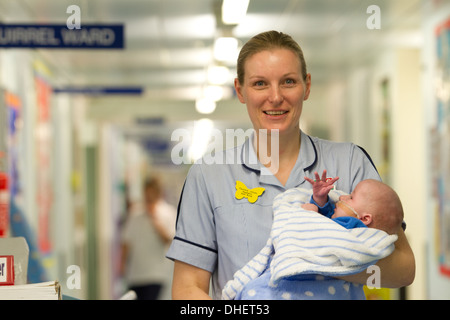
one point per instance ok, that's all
(251, 194)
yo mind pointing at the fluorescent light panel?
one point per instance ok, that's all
(218, 74)
(200, 138)
(205, 105)
(225, 49)
(233, 11)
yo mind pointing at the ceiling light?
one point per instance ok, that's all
(233, 11)
(218, 74)
(214, 93)
(226, 49)
(200, 138)
(205, 105)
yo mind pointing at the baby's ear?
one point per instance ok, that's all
(366, 218)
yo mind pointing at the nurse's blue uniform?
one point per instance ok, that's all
(219, 233)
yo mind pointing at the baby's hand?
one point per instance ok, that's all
(310, 207)
(321, 187)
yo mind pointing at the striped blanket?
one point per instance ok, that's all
(303, 242)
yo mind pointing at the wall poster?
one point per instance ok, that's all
(43, 163)
(440, 148)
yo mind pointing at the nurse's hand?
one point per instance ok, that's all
(310, 207)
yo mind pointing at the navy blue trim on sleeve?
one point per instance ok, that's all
(179, 204)
(370, 159)
(315, 155)
(368, 156)
(195, 244)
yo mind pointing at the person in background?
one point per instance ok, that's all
(145, 237)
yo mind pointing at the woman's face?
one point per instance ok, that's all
(274, 90)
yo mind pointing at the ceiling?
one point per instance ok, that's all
(168, 43)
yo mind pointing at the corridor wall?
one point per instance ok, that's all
(436, 106)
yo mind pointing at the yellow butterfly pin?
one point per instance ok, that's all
(251, 194)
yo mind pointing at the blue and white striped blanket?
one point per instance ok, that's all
(304, 242)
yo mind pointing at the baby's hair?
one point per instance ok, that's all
(388, 209)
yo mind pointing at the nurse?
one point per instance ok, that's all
(225, 210)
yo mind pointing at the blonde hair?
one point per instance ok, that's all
(266, 41)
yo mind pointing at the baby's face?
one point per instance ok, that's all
(350, 205)
(343, 209)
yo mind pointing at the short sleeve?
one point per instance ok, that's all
(361, 166)
(195, 239)
(364, 168)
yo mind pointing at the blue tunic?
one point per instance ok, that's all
(219, 233)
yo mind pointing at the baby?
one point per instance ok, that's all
(372, 204)
(303, 244)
